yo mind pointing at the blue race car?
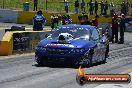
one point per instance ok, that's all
(74, 45)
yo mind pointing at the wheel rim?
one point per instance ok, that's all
(86, 61)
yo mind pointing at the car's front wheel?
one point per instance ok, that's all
(86, 60)
(39, 61)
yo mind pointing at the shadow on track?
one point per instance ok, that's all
(66, 66)
(57, 66)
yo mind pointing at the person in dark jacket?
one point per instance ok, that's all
(123, 8)
(76, 6)
(66, 5)
(83, 6)
(105, 7)
(102, 8)
(86, 20)
(115, 28)
(127, 7)
(96, 7)
(122, 29)
(35, 5)
(91, 7)
(54, 21)
(95, 21)
(38, 21)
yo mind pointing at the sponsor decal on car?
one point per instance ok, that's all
(67, 45)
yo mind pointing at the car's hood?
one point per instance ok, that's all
(72, 43)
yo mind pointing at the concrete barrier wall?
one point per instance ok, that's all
(25, 17)
(26, 41)
(6, 44)
(8, 16)
(20, 41)
(2, 32)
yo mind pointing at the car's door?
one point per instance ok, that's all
(102, 45)
(98, 47)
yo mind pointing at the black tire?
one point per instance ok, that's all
(90, 59)
(40, 64)
(39, 61)
(104, 61)
(106, 54)
(88, 62)
(107, 51)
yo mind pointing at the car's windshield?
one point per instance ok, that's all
(75, 32)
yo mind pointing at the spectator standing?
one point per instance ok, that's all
(122, 29)
(105, 7)
(127, 7)
(86, 20)
(91, 7)
(95, 21)
(115, 28)
(111, 8)
(76, 6)
(83, 6)
(66, 5)
(54, 21)
(102, 8)
(66, 19)
(123, 8)
(69, 19)
(38, 21)
(35, 5)
(96, 7)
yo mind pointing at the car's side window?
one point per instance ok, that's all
(95, 34)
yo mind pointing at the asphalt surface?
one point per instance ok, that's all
(22, 71)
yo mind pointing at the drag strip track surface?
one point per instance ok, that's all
(22, 72)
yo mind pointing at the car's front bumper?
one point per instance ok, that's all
(60, 58)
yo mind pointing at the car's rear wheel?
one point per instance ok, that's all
(103, 61)
(106, 54)
(107, 51)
